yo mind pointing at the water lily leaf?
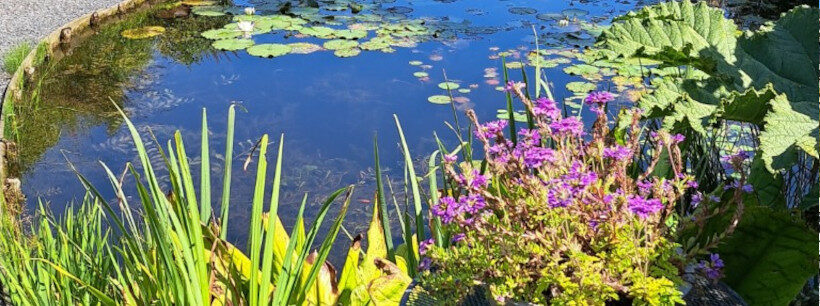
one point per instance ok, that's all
(217, 34)
(198, 2)
(232, 44)
(374, 44)
(581, 87)
(318, 31)
(304, 48)
(522, 10)
(269, 50)
(582, 69)
(338, 44)
(415, 63)
(514, 65)
(143, 32)
(349, 52)
(464, 90)
(549, 16)
(448, 85)
(208, 11)
(518, 116)
(351, 34)
(420, 74)
(574, 13)
(439, 99)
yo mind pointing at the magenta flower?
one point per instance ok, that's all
(458, 237)
(424, 246)
(490, 130)
(450, 158)
(643, 207)
(534, 157)
(546, 107)
(617, 153)
(712, 268)
(568, 126)
(599, 98)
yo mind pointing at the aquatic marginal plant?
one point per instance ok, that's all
(562, 213)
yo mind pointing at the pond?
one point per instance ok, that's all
(328, 107)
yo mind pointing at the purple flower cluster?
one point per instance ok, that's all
(712, 268)
(546, 107)
(735, 161)
(599, 98)
(449, 209)
(747, 188)
(643, 207)
(474, 181)
(617, 153)
(568, 126)
(490, 130)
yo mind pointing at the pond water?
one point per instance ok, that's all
(329, 108)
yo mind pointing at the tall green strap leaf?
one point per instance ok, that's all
(205, 173)
(255, 241)
(510, 110)
(769, 257)
(413, 180)
(226, 174)
(382, 204)
(270, 236)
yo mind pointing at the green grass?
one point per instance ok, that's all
(14, 57)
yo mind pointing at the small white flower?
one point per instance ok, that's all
(563, 22)
(250, 10)
(245, 26)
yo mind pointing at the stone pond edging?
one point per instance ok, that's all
(55, 44)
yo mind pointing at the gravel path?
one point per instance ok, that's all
(30, 20)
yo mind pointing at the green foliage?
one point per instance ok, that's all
(769, 257)
(14, 57)
(767, 78)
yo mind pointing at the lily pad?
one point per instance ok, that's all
(522, 10)
(318, 31)
(351, 34)
(217, 34)
(439, 99)
(209, 11)
(420, 74)
(198, 2)
(347, 52)
(374, 44)
(518, 116)
(232, 44)
(304, 48)
(338, 44)
(415, 63)
(514, 65)
(574, 13)
(549, 16)
(269, 50)
(581, 87)
(464, 90)
(448, 85)
(143, 32)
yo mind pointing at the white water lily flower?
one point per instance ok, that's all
(245, 26)
(563, 22)
(250, 10)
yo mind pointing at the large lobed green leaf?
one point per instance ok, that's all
(769, 257)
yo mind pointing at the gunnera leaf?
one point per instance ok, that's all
(232, 44)
(269, 50)
(143, 32)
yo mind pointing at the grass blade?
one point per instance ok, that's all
(226, 175)
(388, 237)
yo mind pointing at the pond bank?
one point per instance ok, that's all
(31, 20)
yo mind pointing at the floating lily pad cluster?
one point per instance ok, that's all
(346, 35)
